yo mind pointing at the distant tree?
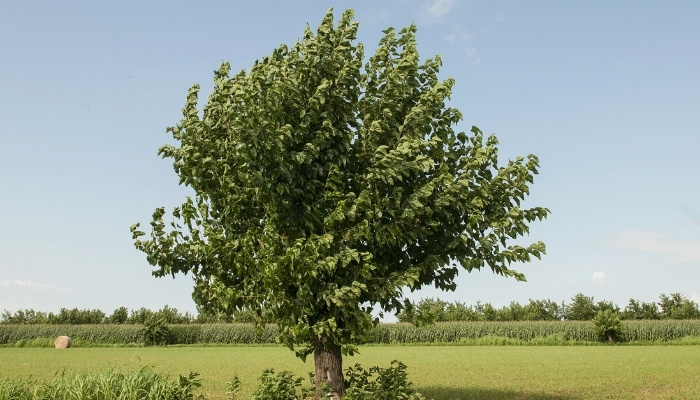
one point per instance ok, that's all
(678, 306)
(581, 308)
(140, 316)
(26, 316)
(542, 310)
(486, 311)
(426, 311)
(606, 305)
(208, 316)
(7, 317)
(326, 185)
(119, 316)
(640, 310)
(513, 312)
(171, 315)
(76, 316)
(459, 311)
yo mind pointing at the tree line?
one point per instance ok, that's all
(581, 308)
(122, 315)
(425, 311)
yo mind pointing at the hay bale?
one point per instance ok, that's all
(62, 342)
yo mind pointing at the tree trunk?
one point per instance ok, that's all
(328, 363)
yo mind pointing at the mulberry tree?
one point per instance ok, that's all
(326, 185)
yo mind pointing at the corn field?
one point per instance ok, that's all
(399, 333)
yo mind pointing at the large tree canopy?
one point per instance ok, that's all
(326, 185)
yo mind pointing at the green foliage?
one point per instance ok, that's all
(637, 310)
(73, 316)
(678, 306)
(326, 185)
(428, 311)
(389, 383)
(168, 314)
(233, 387)
(282, 385)
(119, 316)
(608, 325)
(581, 308)
(187, 386)
(27, 316)
(77, 316)
(109, 385)
(172, 316)
(155, 331)
(140, 316)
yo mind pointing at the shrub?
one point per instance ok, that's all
(233, 387)
(155, 331)
(283, 385)
(389, 384)
(608, 325)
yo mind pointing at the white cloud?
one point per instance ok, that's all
(658, 243)
(599, 278)
(696, 298)
(31, 284)
(439, 8)
(24, 284)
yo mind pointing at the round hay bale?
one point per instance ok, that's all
(62, 342)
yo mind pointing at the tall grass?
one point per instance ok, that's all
(109, 385)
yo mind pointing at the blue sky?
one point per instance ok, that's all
(606, 94)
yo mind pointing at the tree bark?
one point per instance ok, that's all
(328, 365)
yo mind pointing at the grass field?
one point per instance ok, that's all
(439, 372)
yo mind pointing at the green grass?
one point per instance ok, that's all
(439, 372)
